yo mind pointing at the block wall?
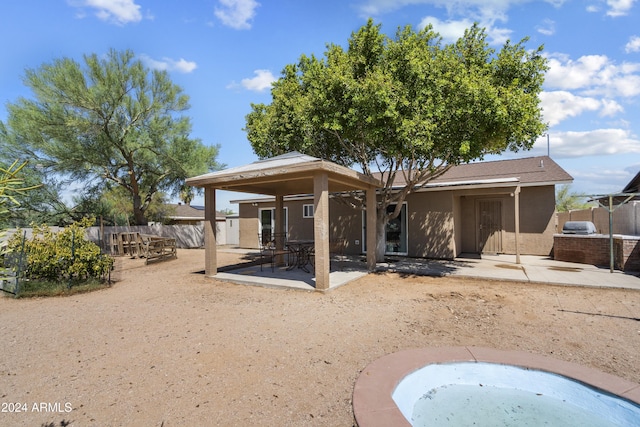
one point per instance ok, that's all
(594, 250)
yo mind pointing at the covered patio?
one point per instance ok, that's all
(290, 174)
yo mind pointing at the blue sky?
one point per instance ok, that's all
(225, 54)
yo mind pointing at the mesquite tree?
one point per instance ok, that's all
(110, 123)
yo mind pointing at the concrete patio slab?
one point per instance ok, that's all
(296, 278)
(532, 269)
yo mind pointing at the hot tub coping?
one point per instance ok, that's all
(373, 404)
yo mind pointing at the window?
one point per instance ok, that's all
(307, 211)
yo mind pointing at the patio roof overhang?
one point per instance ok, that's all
(289, 174)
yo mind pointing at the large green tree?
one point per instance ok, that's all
(109, 120)
(406, 107)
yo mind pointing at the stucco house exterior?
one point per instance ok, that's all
(505, 206)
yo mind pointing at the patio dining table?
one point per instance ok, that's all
(302, 251)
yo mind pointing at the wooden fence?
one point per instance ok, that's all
(185, 236)
(134, 244)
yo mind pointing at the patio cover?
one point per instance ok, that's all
(290, 174)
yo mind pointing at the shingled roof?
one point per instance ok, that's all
(634, 185)
(183, 212)
(529, 171)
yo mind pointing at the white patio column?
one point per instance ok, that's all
(371, 228)
(210, 245)
(321, 229)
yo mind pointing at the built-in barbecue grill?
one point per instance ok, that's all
(578, 227)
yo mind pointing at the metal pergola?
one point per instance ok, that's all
(611, 202)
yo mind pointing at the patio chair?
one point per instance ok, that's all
(272, 247)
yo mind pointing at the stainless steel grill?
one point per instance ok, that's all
(578, 227)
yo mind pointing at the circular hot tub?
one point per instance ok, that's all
(480, 386)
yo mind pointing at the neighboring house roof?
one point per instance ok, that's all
(182, 212)
(530, 171)
(630, 193)
(634, 185)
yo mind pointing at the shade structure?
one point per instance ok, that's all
(290, 174)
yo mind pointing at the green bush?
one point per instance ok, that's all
(65, 255)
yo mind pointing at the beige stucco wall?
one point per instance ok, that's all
(249, 226)
(345, 223)
(441, 224)
(537, 220)
(430, 225)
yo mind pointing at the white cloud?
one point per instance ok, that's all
(593, 75)
(479, 9)
(561, 105)
(619, 7)
(237, 13)
(614, 8)
(633, 45)
(168, 64)
(610, 108)
(378, 7)
(547, 27)
(117, 11)
(565, 73)
(599, 142)
(449, 30)
(452, 30)
(261, 82)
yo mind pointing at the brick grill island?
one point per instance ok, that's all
(594, 249)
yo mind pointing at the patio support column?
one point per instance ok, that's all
(280, 228)
(371, 228)
(321, 229)
(516, 201)
(210, 246)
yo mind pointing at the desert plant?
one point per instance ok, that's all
(65, 255)
(11, 184)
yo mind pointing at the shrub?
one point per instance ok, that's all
(65, 255)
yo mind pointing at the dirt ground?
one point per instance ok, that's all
(167, 346)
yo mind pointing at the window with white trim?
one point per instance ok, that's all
(307, 211)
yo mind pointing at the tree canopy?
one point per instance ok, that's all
(111, 123)
(408, 106)
(567, 200)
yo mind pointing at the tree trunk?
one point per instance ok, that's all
(381, 225)
(138, 213)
